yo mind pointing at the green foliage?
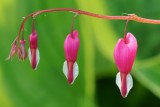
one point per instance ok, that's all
(47, 86)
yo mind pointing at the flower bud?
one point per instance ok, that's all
(13, 51)
(71, 46)
(124, 55)
(22, 54)
(33, 51)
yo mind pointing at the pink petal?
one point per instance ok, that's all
(71, 46)
(33, 40)
(124, 54)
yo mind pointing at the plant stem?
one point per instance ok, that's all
(72, 27)
(125, 30)
(133, 17)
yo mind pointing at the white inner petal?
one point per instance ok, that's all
(65, 68)
(129, 82)
(118, 80)
(75, 70)
(29, 54)
(37, 58)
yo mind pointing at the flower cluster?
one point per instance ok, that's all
(124, 53)
(71, 46)
(18, 47)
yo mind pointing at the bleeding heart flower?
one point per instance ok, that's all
(70, 67)
(124, 55)
(33, 51)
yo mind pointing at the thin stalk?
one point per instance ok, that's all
(133, 17)
(125, 30)
(72, 27)
(33, 24)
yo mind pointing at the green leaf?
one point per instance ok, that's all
(47, 86)
(5, 101)
(147, 73)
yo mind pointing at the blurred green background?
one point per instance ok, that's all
(95, 86)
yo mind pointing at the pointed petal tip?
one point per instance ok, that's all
(123, 96)
(70, 82)
(8, 58)
(34, 68)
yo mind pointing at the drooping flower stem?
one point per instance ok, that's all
(72, 26)
(125, 30)
(33, 24)
(133, 17)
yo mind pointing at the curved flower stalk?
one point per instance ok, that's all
(70, 66)
(124, 55)
(33, 51)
